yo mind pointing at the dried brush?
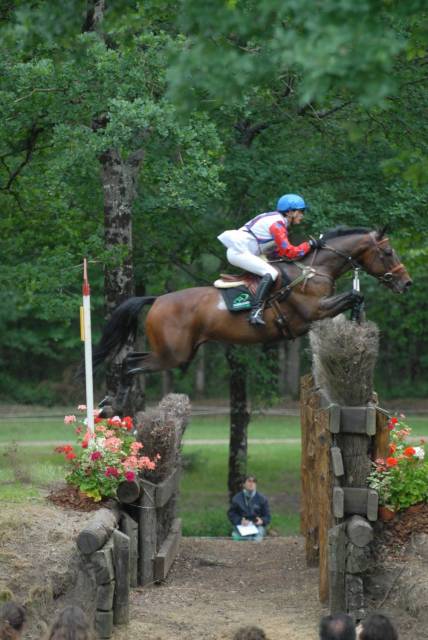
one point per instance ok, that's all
(344, 356)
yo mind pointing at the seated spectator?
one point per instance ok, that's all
(337, 627)
(376, 627)
(250, 633)
(12, 618)
(71, 624)
(249, 507)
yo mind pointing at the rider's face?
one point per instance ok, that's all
(295, 216)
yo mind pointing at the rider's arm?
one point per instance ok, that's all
(284, 246)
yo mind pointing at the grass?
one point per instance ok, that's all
(27, 471)
(203, 500)
(200, 428)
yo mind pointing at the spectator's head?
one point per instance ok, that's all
(337, 627)
(377, 627)
(71, 624)
(250, 483)
(12, 618)
(250, 633)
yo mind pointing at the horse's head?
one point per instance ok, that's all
(381, 261)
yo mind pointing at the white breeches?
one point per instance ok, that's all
(243, 251)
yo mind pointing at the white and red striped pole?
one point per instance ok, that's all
(85, 330)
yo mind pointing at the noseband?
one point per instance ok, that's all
(387, 277)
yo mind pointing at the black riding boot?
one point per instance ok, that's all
(265, 285)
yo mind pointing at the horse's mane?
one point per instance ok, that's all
(343, 231)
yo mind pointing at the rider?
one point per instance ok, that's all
(261, 235)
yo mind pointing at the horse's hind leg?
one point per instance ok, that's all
(141, 362)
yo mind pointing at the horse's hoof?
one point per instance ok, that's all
(107, 411)
(108, 400)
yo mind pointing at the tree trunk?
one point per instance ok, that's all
(239, 419)
(293, 368)
(119, 180)
(282, 369)
(167, 382)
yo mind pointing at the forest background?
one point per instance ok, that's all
(133, 133)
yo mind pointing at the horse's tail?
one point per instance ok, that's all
(122, 324)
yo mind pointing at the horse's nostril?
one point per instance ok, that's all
(408, 284)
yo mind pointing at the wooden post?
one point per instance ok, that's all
(309, 403)
(324, 482)
(130, 528)
(337, 568)
(147, 532)
(121, 558)
(381, 440)
(317, 480)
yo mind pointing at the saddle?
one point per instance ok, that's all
(238, 290)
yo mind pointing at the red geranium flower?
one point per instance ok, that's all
(391, 462)
(96, 455)
(112, 471)
(392, 448)
(130, 476)
(409, 452)
(127, 423)
(70, 455)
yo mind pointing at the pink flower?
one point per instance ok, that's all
(135, 447)
(100, 428)
(145, 463)
(130, 463)
(109, 433)
(130, 476)
(81, 407)
(96, 455)
(69, 419)
(113, 444)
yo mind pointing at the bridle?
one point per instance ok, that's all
(386, 277)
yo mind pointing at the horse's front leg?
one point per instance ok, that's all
(332, 306)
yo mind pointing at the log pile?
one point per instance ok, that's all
(135, 540)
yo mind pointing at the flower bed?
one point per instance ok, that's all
(401, 479)
(100, 461)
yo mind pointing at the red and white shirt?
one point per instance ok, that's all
(270, 231)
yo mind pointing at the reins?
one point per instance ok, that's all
(308, 271)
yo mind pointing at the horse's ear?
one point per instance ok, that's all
(381, 232)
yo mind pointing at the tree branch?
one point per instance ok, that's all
(30, 147)
(37, 90)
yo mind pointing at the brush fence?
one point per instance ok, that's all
(338, 510)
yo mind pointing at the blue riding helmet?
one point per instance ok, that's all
(290, 202)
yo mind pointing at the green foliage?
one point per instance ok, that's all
(329, 103)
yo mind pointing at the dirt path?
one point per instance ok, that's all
(216, 586)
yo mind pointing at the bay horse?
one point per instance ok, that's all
(179, 322)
